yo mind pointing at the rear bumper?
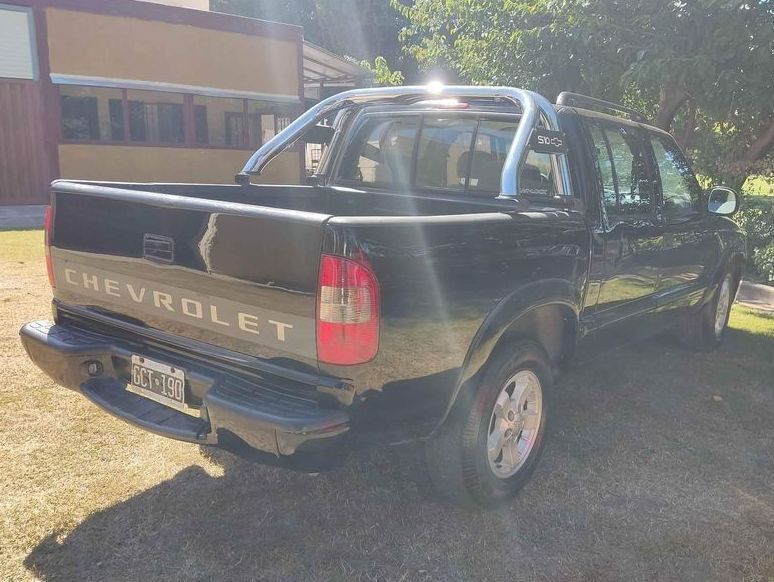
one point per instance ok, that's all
(240, 413)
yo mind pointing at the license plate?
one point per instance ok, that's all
(159, 382)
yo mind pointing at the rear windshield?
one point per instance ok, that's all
(431, 153)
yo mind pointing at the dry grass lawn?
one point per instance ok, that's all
(660, 466)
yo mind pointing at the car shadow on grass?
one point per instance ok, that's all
(659, 465)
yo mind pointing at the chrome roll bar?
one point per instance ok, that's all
(534, 108)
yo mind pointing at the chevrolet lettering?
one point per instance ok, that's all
(456, 249)
(118, 289)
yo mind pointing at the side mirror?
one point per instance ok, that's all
(723, 201)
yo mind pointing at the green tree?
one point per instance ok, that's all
(700, 68)
(362, 29)
(381, 73)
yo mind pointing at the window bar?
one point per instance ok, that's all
(532, 105)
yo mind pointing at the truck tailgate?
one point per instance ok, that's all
(238, 276)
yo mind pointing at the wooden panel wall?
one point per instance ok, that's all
(26, 169)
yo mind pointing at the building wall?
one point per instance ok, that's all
(25, 166)
(99, 45)
(131, 51)
(122, 163)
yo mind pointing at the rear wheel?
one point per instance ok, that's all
(705, 329)
(489, 449)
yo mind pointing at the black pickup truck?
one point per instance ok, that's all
(457, 247)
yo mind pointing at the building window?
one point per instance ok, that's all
(281, 122)
(92, 114)
(220, 121)
(131, 116)
(156, 117)
(79, 118)
(200, 124)
(236, 129)
(266, 120)
(116, 108)
(268, 126)
(17, 43)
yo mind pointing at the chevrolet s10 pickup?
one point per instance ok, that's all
(457, 247)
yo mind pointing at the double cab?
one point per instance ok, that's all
(455, 249)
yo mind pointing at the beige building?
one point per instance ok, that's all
(129, 90)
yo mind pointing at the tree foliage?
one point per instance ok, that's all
(361, 29)
(701, 68)
(381, 73)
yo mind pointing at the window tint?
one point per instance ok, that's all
(680, 190)
(381, 152)
(444, 153)
(493, 140)
(537, 178)
(447, 157)
(605, 162)
(626, 188)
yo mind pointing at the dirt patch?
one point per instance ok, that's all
(659, 466)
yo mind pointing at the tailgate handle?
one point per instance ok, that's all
(158, 248)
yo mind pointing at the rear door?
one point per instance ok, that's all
(630, 233)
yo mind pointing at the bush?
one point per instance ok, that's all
(763, 262)
(756, 218)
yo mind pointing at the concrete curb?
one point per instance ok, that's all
(28, 216)
(756, 296)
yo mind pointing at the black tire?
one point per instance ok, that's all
(699, 331)
(457, 458)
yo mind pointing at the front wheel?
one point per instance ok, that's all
(705, 329)
(486, 453)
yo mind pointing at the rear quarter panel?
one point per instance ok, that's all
(441, 280)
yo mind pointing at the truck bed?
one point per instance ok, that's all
(333, 201)
(232, 266)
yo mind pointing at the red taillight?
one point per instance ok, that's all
(347, 312)
(48, 227)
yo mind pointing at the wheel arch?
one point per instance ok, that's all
(546, 312)
(736, 264)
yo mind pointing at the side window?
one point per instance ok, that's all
(536, 178)
(605, 161)
(381, 152)
(681, 192)
(493, 140)
(626, 187)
